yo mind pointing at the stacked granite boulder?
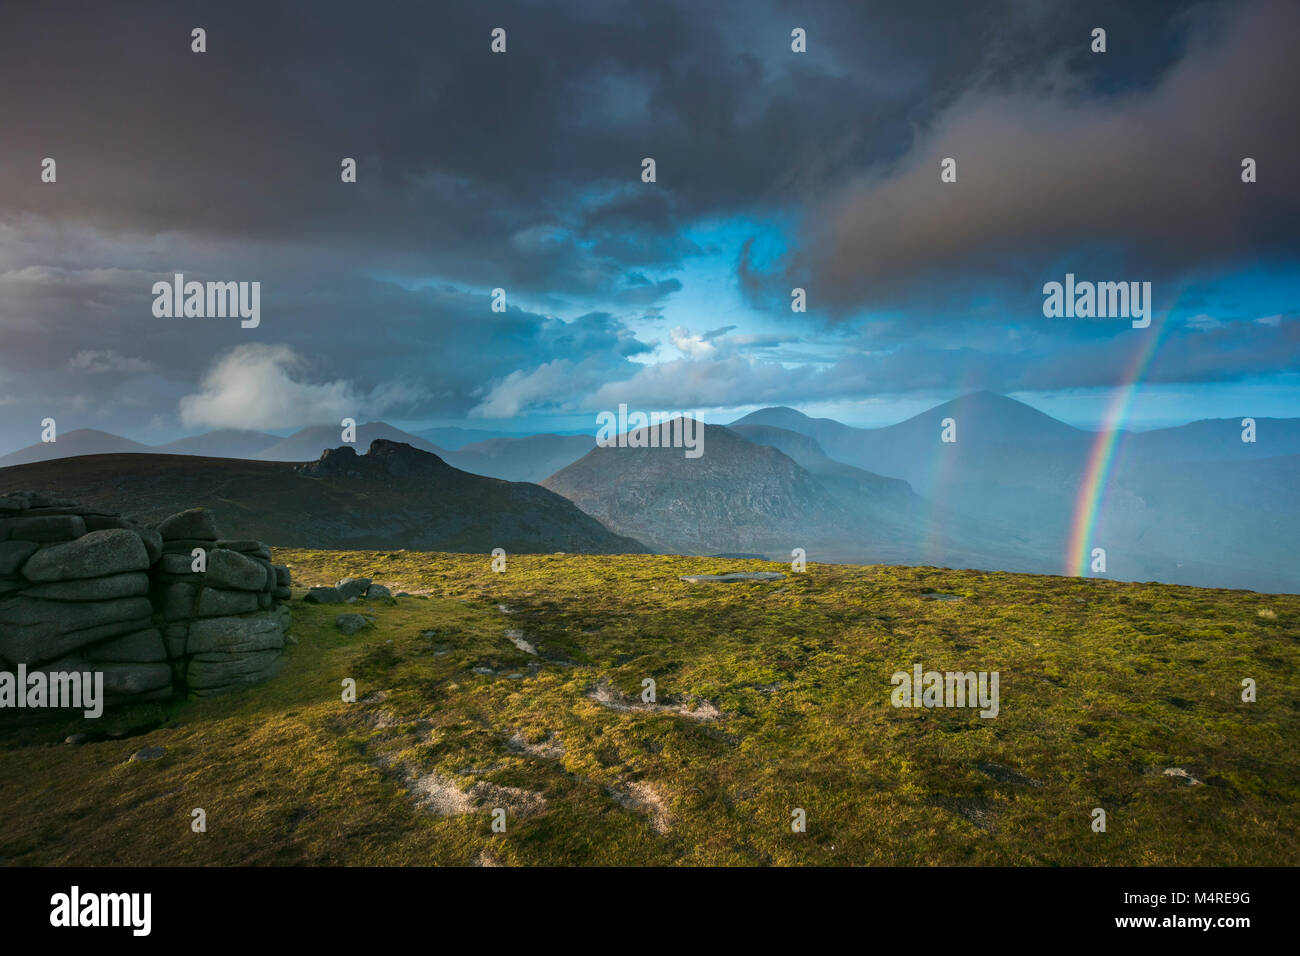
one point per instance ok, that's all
(83, 590)
(223, 624)
(74, 595)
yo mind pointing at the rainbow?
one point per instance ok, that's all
(1092, 490)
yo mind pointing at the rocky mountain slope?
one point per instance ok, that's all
(736, 497)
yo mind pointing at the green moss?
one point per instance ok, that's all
(1103, 686)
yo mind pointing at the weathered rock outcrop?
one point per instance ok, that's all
(159, 611)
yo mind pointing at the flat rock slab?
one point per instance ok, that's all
(130, 584)
(128, 680)
(734, 576)
(232, 570)
(516, 638)
(236, 635)
(194, 523)
(141, 647)
(47, 528)
(94, 555)
(214, 602)
(216, 673)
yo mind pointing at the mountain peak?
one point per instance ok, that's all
(307, 443)
(999, 413)
(779, 416)
(384, 458)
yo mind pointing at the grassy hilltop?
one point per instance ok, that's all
(771, 697)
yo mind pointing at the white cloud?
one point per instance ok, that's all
(691, 344)
(556, 384)
(262, 386)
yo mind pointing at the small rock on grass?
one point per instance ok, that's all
(351, 623)
(733, 576)
(379, 592)
(353, 587)
(323, 596)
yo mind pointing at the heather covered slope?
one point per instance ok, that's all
(80, 441)
(770, 697)
(394, 497)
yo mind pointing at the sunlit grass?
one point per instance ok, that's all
(1103, 686)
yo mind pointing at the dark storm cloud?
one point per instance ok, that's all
(1052, 177)
(461, 151)
(522, 171)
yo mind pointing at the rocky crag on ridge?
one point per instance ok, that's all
(81, 590)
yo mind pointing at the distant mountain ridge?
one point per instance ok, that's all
(737, 497)
(222, 443)
(749, 497)
(80, 441)
(397, 496)
(988, 428)
(521, 459)
(510, 457)
(454, 437)
(1191, 504)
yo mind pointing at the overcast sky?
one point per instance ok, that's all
(522, 171)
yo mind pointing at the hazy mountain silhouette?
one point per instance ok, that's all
(1219, 524)
(305, 444)
(1018, 473)
(1217, 439)
(520, 459)
(80, 441)
(452, 437)
(222, 443)
(995, 435)
(834, 475)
